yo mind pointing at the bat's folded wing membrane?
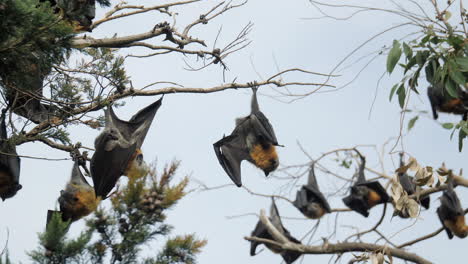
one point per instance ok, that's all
(231, 151)
(262, 126)
(108, 166)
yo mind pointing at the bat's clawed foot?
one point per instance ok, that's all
(253, 85)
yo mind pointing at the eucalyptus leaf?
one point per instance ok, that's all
(393, 56)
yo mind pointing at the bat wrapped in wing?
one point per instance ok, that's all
(451, 213)
(261, 231)
(365, 194)
(118, 148)
(9, 164)
(310, 200)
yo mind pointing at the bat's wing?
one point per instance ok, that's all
(9, 163)
(442, 213)
(434, 100)
(356, 201)
(406, 183)
(231, 151)
(301, 199)
(262, 127)
(259, 121)
(426, 202)
(142, 120)
(377, 187)
(259, 231)
(288, 255)
(275, 217)
(317, 196)
(450, 201)
(137, 127)
(107, 165)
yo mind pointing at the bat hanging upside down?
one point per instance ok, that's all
(442, 102)
(253, 139)
(118, 148)
(451, 213)
(78, 199)
(9, 164)
(365, 194)
(310, 200)
(410, 188)
(261, 231)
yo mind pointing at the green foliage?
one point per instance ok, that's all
(136, 217)
(440, 56)
(393, 56)
(59, 249)
(412, 122)
(30, 32)
(181, 249)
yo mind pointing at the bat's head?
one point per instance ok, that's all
(314, 210)
(264, 156)
(137, 167)
(77, 201)
(8, 191)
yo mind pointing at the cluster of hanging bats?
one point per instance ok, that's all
(118, 153)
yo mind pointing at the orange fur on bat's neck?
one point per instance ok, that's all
(131, 168)
(458, 226)
(452, 105)
(373, 198)
(5, 182)
(85, 204)
(320, 211)
(262, 156)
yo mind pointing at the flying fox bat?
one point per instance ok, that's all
(78, 12)
(451, 214)
(261, 231)
(118, 148)
(78, 199)
(309, 200)
(365, 194)
(253, 139)
(442, 102)
(9, 164)
(409, 186)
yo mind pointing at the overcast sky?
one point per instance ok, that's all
(187, 125)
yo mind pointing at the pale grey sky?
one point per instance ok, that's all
(187, 125)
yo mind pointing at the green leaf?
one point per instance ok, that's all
(447, 125)
(412, 122)
(457, 77)
(461, 137)
(430, 69)
(401, 95)
(425, 39)
(392, 92)
(462, 63)
(407, 50)
(451, 88)
(393, 56)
